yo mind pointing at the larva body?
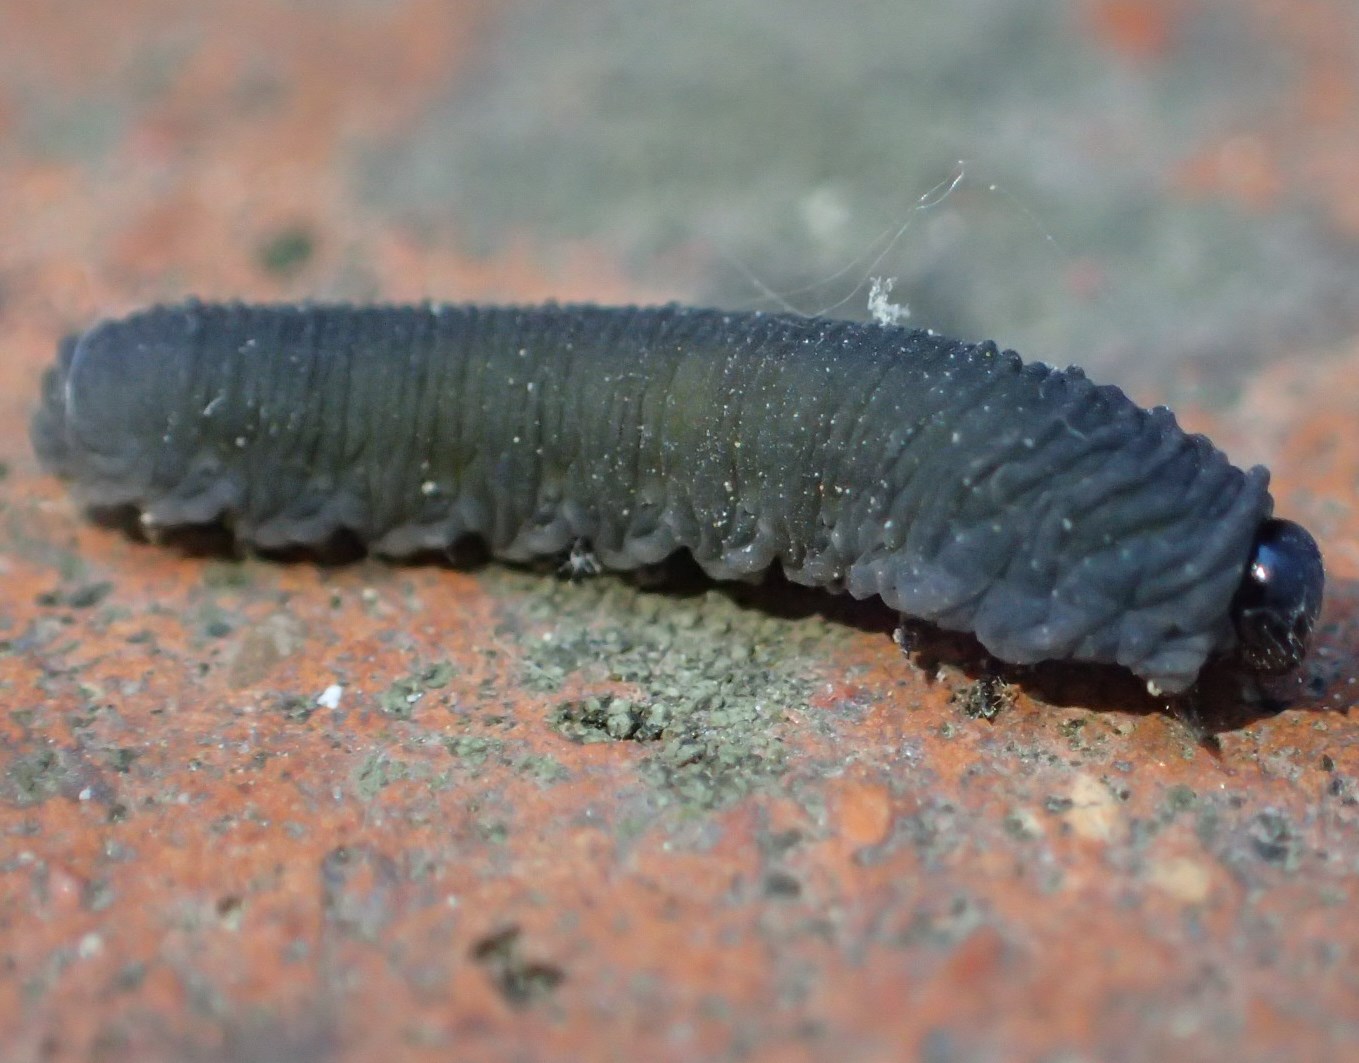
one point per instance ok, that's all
(1052, 517)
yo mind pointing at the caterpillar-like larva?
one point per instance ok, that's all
(1052, 517)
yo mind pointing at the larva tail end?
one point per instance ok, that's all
(1279, 599)
(48, 429)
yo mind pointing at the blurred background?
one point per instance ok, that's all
(1161, 190)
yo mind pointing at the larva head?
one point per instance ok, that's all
(1279, 597)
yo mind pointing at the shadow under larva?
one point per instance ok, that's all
(1051, 517)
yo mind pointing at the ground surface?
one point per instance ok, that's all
(258, 811)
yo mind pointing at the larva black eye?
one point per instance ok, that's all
(1279, 597)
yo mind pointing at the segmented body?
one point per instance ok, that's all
(1052, 517)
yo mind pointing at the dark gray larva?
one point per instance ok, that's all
(1052, 517)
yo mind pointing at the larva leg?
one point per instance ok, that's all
(906, 634)
(580, 562)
